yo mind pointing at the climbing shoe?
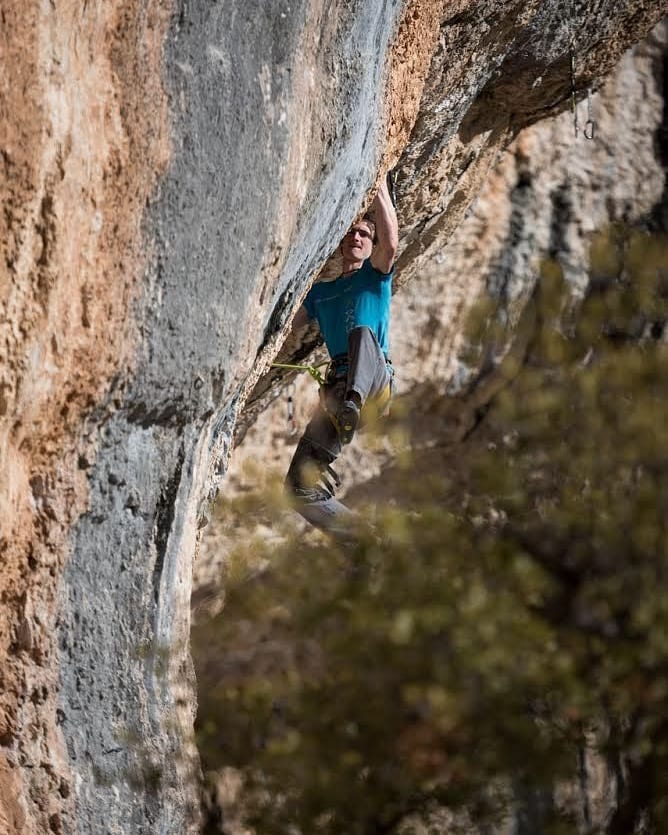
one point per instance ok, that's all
(347, 419)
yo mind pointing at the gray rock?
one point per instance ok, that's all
(172, 181)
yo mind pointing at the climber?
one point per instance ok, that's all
(353, 314)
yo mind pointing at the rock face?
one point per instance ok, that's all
(174, 176)
(83, 139)
(544, 196)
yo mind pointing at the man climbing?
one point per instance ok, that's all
(353, 313)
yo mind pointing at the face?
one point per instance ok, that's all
(358, 242)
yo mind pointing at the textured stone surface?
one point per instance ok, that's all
(228, 244)
(173, 176)
(83, 137)
(543, 198)
(495, 68)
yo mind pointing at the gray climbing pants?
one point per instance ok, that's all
(310, 479)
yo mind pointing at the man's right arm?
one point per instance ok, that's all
(387, 230)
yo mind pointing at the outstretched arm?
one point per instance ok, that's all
(387, 230)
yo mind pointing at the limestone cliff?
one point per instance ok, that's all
(543, 198)
(174, 175)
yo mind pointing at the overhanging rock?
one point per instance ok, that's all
(174, 176)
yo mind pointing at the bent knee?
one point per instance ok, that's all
(306, 468)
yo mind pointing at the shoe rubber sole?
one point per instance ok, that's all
(348, 418)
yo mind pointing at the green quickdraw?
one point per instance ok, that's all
(313, 370)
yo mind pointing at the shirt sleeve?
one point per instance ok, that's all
(372, 271)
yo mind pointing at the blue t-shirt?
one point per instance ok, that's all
(361, 299)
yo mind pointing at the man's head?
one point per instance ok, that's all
(359, 240)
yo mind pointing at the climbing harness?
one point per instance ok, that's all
(378, 406)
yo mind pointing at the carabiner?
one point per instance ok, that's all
(590, 124)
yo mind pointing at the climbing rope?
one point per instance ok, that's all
(313, 370)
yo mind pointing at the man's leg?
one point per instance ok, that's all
(368, 378)
(309, 478)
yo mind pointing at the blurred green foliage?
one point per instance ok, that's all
(507, 615)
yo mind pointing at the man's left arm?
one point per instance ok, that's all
(387, 230)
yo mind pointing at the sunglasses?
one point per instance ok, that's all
(363, 233)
